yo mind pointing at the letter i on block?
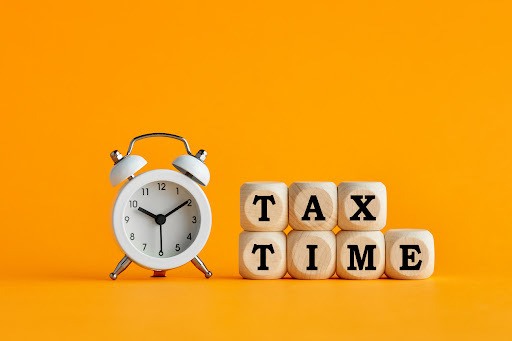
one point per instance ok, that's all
(311, 254)
(362, 206)
(264, 206)
(409, 254)
(262, 255)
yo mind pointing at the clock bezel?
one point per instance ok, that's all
(147, 261)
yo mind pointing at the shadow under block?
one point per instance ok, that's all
(264, 206)
(311, 254)
(362, 206)
(409, 254)
(360, 254)
(262, 255)
(313, 206)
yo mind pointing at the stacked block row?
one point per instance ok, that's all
(312, 250)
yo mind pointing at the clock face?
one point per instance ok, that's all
(161, 219)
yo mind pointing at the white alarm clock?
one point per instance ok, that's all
(161, 218)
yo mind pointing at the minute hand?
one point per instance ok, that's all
(177, 208)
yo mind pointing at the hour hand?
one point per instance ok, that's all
(147, 212)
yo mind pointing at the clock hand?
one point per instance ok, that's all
(161, 253)
(177, 208)
(147, 212)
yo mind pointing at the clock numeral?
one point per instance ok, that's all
(189, 237)
(133, 203)
(145, 191)
(177, 247)
(144, 248)
(160, 253)
(177, 191)
(194, 219)
(161, 186)
(132, 236)
(189, 202)
(126, 219)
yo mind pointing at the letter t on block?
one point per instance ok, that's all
(262, 255)
(264, 206)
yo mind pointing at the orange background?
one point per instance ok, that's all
(413, 94)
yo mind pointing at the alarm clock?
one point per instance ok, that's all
(161, 218)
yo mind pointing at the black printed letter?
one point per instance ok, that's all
(263, 254)
(354, 253)
(363, 207)
(313, 201)
(264, 199)
(406, 257)
(311, 249)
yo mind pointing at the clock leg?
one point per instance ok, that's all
(158, 273)
(123, 264)
(200, 265)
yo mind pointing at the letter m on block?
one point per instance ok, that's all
(355, 256)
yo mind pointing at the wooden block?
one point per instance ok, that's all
(360, 254)
(262, 255)
(362, 206)
(264, 206)
(409, 254)
(313, 206)
(311, 254)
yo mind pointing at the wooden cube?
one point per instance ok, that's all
(313, 206)
(409, 254)
(311, 254)
(264, 206)
(262, 255)
(360, 254)
(362, 206)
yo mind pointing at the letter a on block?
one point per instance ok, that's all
(264, 206)
(409, 254)
(313, 206)
(262, 255)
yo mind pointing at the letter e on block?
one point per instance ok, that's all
(409, 254)
(262, 255)
(264, 206)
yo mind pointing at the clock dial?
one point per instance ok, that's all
(161, 219)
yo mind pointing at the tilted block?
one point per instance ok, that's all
(311, 254)
(360, 254)
(264, 206)
(313, 206)
(362, 206)
(409, 254)
(262, 255)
